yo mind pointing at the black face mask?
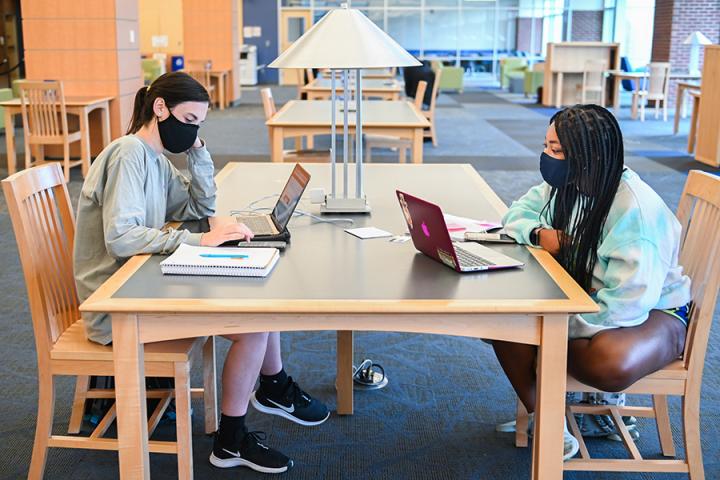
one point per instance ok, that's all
(177, 136)
(555, 172)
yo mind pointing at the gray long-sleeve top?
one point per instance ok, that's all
(129, 194)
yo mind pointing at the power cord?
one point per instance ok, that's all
(252, 209)
(369, 375)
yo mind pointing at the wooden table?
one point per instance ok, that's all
(305, 118)
(680, 102)
(387, 89)
(619, 76)
(371, 285)
(221, 78)
(384, 73)
(80, 106)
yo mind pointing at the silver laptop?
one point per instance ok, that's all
(275, 223)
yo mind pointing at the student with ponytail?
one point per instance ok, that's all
(619, 241)
(131, 191)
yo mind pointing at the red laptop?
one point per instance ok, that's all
(430, 235)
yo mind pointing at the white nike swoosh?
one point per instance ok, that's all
(289, 409)
(234, 454)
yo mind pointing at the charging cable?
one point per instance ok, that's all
(369, 375)
(252, 209)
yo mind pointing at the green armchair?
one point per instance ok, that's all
(452, 78)
(534, 77)
(5, 94)
(152, 69)
(508, 66)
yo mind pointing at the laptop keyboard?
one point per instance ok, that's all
(470, 260)
(258, 224)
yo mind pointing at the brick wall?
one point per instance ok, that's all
(587, 25)
(674, 21)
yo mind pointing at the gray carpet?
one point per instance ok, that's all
(436, 418)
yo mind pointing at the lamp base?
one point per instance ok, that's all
(345, 205)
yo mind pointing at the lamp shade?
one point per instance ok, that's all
(697, 38)
(344, 38)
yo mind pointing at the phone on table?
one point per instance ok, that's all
(488, 237)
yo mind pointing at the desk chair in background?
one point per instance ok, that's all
(594, 81)
(44, 226)
(297, 155)
(699, 215)
(45, 122)
(388, 141)
(430, 112)
(200, 71)
(655, 88)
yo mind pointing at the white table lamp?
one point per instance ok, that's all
(695, 40)
(344, 40)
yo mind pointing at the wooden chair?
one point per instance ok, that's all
(297, 155)
(45, 123)
(44, 226)
(388, 141)
(430, 112)
(656, 89)
(200, 71)
(594, 80)
(699, 215)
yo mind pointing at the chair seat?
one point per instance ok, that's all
(72, 345)
(59, 140)
(674, 372)
(650, 96)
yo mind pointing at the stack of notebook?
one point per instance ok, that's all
(230, 262)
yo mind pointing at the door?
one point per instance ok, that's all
(293, 24)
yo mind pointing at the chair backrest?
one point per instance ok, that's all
(658, 78)
(310, 74)
(699, 215)
(420, 94)
(200, 71)
(44, 226)
(43, 109)
(435, 90)
(268, 103)
(594, 73)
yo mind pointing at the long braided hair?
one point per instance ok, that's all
(592, 142)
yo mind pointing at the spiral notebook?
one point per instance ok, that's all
(213, 261)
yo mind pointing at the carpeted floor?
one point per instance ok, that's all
(436, 418)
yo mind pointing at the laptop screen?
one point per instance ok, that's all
(290, 196)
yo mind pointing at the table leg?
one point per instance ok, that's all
(417, 145)
(105, 112)
(84, 140)
(128, 360)
(616, 102)
(678, 108)
(693, 124)
(276, 144)
(221, 88)
(550, 403)
(310, 142)
(343, 381)
(10, 141)
(559, 92)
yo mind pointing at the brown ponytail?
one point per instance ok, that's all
(174, 88)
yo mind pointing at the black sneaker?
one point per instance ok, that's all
(292, 403)
(249, 452)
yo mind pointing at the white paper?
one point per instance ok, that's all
(159, 41)
(457, 226)
(247, 32)
(368, 232)
(257, 31)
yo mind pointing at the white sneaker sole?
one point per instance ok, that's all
(574, 450)
(241, 462)
(282, 413)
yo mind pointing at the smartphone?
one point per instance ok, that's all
(488, 237)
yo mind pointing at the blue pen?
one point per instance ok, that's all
(222, 255)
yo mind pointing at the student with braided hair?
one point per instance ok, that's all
(616, 237)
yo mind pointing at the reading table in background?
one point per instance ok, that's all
(80, 106)
(299, 118)
(356, 285)
(384, 88)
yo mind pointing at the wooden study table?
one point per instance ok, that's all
(682, 87)
(386, 89)
(221, 78)
(357, 285)
(305, 118)
(80, 106)
(619, 76)
(384, 73)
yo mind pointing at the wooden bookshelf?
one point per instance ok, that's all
(564, 65)
(708, 136)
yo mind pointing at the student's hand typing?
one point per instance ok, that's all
(225, 233)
